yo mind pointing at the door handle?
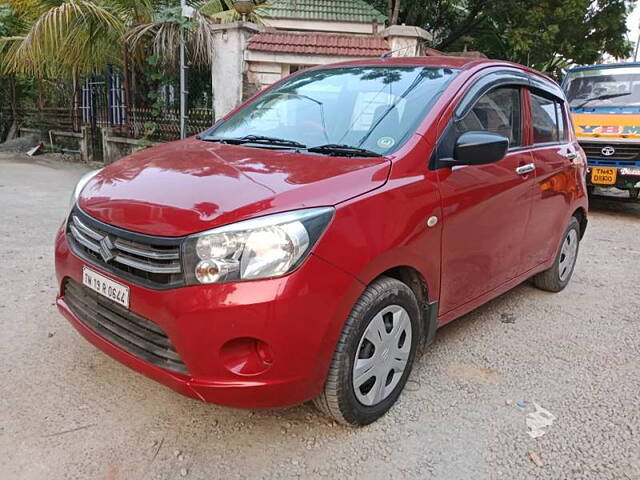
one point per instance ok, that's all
(524, 169)
(571, 155)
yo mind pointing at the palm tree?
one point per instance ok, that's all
(162, 33)
(69, 39)
(63, 38)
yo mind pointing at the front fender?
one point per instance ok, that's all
(386, 229)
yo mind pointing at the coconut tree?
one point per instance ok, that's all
(64, 38)
(160, 38)
(162, 32)
(72, 37)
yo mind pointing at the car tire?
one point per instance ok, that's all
(386, 304)
(558, 276)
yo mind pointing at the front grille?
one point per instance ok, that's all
(151, 261)
(625, 153)
(129, 331)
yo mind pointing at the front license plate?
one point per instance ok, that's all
(106, 287)
(604, 175)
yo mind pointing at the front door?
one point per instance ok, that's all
(486, 207)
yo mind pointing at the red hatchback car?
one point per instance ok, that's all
(308, 245)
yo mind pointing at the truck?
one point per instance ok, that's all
(605, 105)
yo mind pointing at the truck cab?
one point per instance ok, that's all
(605, 106)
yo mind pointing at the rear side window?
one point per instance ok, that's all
(562, 122)
(497, 111)
(549, 122)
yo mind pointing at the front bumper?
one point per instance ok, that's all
(299, 317)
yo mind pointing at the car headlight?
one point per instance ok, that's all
(80, 185)
(264, 247)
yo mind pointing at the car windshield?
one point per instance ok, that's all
(371, 108)
(603, 87)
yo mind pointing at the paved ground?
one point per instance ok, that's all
(69, 411)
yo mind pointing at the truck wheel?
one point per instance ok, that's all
(374, 355)
(557, 277)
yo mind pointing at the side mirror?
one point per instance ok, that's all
(479, 148)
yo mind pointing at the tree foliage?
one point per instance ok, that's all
(545, 34)
(57, 38)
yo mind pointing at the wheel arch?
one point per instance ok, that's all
(411, 277)
(581, 215)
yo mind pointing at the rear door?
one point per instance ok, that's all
(553, 153)
(486, 207)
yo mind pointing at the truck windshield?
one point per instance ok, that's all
(603, 87)
(365, 108)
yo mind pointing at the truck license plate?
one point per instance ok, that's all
(604, 175)
(106, 287)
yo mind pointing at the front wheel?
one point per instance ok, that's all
(374, 355)
(557, 277)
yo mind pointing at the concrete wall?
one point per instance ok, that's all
(80, 144)
(266, 68)
(114, 148)
(263, 74)
(406, 41)
(70, 143)
(230, 42)
(296, 58)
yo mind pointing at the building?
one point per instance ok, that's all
(297, 34)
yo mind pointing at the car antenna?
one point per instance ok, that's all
(391, 52)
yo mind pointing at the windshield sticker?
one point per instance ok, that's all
(609, 130)
(386, 142)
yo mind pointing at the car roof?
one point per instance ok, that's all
(443, 61)
(604, 65)
(432, 61)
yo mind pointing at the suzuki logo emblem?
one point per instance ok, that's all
(608, 151)
(106, 247)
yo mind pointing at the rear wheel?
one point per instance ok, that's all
(374, 355)
(634, 193)
(557, 277)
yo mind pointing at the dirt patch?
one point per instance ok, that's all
(473, 374)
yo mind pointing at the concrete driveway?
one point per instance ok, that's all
(69, 411)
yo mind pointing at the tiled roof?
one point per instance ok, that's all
(329, 10)
(319, 44)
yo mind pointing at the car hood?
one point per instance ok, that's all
(192, 185)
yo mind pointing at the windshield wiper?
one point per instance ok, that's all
(343, 150)
(258, 139)
(602, 97)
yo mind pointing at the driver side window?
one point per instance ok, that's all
(497, 111)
